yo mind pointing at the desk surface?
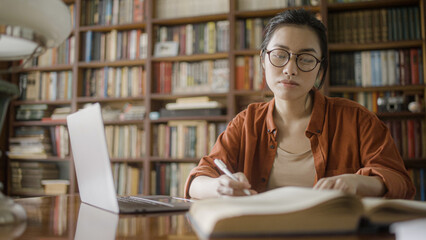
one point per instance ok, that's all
(63, 217)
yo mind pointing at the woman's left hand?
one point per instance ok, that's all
(372, 186)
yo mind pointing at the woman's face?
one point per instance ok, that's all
(289, 82)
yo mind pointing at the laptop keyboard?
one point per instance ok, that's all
(132, 202)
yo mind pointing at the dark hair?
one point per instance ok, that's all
(299, 17)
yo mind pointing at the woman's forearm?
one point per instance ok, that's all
(204, 187)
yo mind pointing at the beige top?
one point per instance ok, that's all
(291, 169)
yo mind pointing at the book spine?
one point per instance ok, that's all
(422, 184)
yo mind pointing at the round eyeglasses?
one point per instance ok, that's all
(304, 61)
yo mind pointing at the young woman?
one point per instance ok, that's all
(301, 137)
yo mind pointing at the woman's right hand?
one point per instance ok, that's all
(230, 187)
(203, 187)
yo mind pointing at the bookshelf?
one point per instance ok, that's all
(390, 37)
(91, 67)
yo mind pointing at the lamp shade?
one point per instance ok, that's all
(29, 25)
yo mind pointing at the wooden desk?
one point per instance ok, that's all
(60, 217)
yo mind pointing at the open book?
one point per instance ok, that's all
(295, 210)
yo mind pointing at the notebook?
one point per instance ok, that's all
(93, 169)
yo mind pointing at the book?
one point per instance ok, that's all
(193, 99)
(25, 164)
(88, 47)
(296, 210)
(411, 144)
(239, 73)
(29, 144)
(194, 105)
(30, 174)
(138, 10)
(414, 65)
(187, 138)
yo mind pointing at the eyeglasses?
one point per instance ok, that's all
(304, 61)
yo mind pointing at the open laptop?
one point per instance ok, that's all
(93, 169)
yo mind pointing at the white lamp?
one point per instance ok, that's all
(29, 27)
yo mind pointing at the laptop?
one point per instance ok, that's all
(94, 174)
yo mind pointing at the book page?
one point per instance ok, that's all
(281, 201)
(386, 211)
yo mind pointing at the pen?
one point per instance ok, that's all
(222, 167)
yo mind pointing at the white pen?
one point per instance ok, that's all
(222, 166)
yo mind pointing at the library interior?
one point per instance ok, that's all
(169, 76)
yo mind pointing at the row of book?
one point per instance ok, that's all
(114, 45)
(58, 114)
(249, 32)
(198, 38)
(377, 68)
(111, 12)
(249, 73)
(128, 179)
(409, 136)
(132, 111)
(26, 177)
(35, 142)
(42, 112)
(32, 112)
(185, 138)
(185, 77)
(122, 111)
(170, 178)
(46, 85)
(379, 25)
(63, 54)
(125, 141)
(60, 141)
(114, 82)
(418, 175)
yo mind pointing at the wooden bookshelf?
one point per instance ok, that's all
(154, 101)
(398, 39)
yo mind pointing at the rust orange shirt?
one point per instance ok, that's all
(345, 138)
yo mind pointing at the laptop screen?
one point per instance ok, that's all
(91, 159)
